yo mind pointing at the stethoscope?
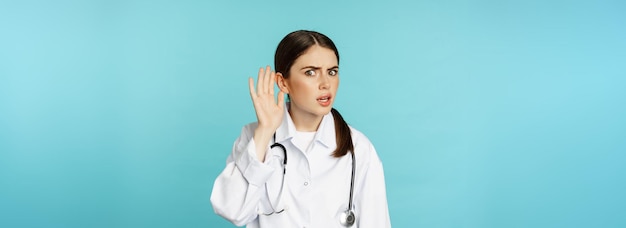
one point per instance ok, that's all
(347, 218)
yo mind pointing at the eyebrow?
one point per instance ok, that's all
(317, 68)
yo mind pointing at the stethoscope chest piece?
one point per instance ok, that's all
(347, 218)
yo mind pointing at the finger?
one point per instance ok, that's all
(251, 86)
(259, 84)
(281, 99)
(272, 82)
(266, 82)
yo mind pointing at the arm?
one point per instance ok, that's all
(373, 209)
(238, 189)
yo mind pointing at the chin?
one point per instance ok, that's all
(326, 110)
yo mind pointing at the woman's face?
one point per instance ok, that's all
(312, 83)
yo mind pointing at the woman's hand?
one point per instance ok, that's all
(269, 113)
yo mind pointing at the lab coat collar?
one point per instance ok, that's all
(287, 128)
(325, 132)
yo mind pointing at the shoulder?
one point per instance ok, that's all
(358, 137)
(363, 147)
(250, 127)
(368, 163)
(247, 132)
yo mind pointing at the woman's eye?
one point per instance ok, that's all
(332, 72)
(309, 72)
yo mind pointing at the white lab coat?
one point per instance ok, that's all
(317, 185)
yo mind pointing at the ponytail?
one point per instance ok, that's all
(342, 135)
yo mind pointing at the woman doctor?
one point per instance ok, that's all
(294, 167)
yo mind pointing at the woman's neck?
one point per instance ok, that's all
(305, 122)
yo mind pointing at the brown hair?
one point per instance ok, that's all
(293, 46)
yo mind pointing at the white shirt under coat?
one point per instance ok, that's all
(317, 185)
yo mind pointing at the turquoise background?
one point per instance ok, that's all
(485, 113)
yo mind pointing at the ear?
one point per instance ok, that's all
(282, 83)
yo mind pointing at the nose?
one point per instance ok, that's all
(324, 82)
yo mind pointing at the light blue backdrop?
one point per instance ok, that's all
(485, 113)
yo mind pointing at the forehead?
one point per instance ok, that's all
(317, 56)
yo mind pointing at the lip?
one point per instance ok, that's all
(325, 100)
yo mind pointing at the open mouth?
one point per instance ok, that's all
(324, 100)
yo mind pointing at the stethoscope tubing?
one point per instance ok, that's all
(352, 180)
(284, 153)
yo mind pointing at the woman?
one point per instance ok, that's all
(322, 184)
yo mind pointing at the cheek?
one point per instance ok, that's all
(300, 85)
(334, 85)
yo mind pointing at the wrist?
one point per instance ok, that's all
(263, 133)
(262, 139)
